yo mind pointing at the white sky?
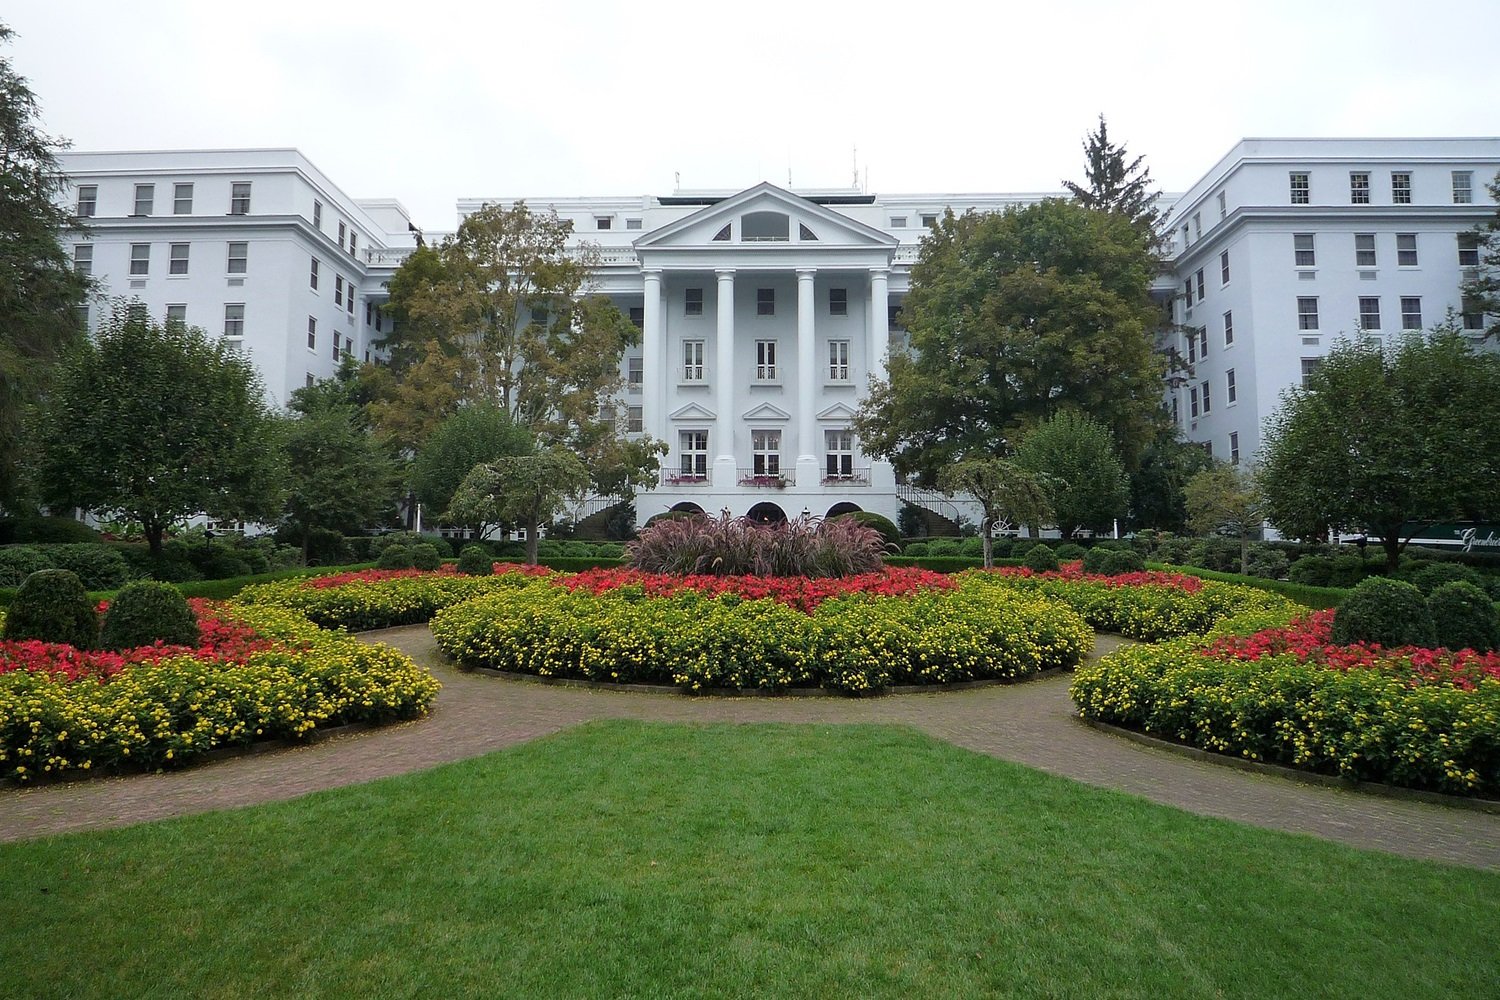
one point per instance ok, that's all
(431, 101)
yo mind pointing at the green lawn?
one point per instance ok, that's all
(636, 860)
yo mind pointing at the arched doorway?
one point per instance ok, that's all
(843, 508)
(686, 507)
(766, 512)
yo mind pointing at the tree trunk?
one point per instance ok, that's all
(1244, 555)
(306, 543)
(1391, 542)
(153, 537)
(531, 534)
(985, 526)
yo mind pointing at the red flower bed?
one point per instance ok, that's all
(219, 639)
(800, 592)
(1073, 573)
(1309, 639)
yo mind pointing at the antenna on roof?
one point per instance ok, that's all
(855, 182)
(677, 180)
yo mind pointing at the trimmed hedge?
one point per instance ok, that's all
(362, 605)
(1464, 618)
(148, 612)
(1384, 612)
(52, 606)
(1312, 597)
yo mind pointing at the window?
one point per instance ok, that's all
(722, 236)
(1400, 187)
(1473, 315)
(88, 200)
(83, 259)
(765, 302)
(803, 233)
(1231, 391)
(1406, 249)
(140, 258)
(692, 302)
(838, 301)
(338, 289)
(1463, 187)
(539, 315)
(638, 316)
(1207, 402)
(1301, 189)
(1192, 341)
(838, 449)
(136, 311)
(1203, 342)
(312, 333)
(349, 298)
(1364, 249)
(1199, 278)
(692, 361)
(1359, 188)
(634, 420)
(1307, 312)
(929, 220)
(335, 349)
(898, 222)
(765, 361)
(1224, 268)
(177, 314)
(353, 237)
(692, 451)
(765, 447)
(343, 232)
(893, 318)
(182, 199)
(145, 197)
(1188, 292)
(318, 215)
(1234, 447)
(838, 360)
(369, 311)
(1193, 402)
(1304, 253)
(635, 373)
(632, 223)
(239, 198)
(603, 222)
(234, 319)
(310, 380)
(178, 259)
(1197, 225)
(1411, 312)
(1228, 328)
(1468, 250)
(1187, 236)
(348, 346)
(1223, 206)
(1310, 367)
(1369, 312)
(239, 254)
(312, 275)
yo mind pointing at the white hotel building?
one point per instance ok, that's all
(765, 311)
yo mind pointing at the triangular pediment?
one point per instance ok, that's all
(838, 411)
(767, 411)
(725, 224)
(694, 411)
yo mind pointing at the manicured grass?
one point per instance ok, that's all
(637, 860)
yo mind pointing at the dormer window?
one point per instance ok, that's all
(805, 234)
(765, 227)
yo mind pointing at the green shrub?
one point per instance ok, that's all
(916, 549)
(395, 557)
(609, 550)
(17, 562)
(1071, 552)
(1464, 617)
(1095, 560)
(359, 547)
(1433, 575)
(1041, 559)
(1020, 546)
(220, 562)
(944, 564)
(97, 566)
(1175, 551)
(909, 521)
(1215, 553)
(255, 559)
(971, 548)
(1002, 546)
(425, 556)
(577, 550)
(1267, 561)
(1387, 612)
(1312, 571)
(52, 606)
(943, 547)
(44, 530)
(147, 612)
(869, 519)
(475, 560)
(549, 547)
(1120, 561)
(1350, 568)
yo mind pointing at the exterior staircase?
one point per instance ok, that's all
(939, 515)
(594, 524)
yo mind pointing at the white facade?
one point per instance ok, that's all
(764, 311)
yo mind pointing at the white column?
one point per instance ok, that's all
(807, 369)
(726, 473)
(880, 321)
(654, 360)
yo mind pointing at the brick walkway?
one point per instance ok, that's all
(1029, 723)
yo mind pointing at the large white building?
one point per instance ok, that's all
(765, 311)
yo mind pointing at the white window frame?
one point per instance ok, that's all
(140, 260)
(692, 451)
(83, 259)
(180, 311)
(1223, 268)
(765, 452)
(635, 372)
(1207, 397)
(1406, 250)
(1365, 255)
(234, 321)
(1231, 390)
(1411, 312)
(312, 333)
(1202, 292)
(838, 301)
(1400, 187)
(1305, 249)
(1300, 187)
(838, 361)
(838, 454)
(1223, 206)
(1307, 312)
(237, 263)
(1359, 187)
(182, 204)
(338, 289)
(1228, 327)
(1463, 187)
(312, 274)
(1369, 318)
(1468, 256)
(178, 256)
(239, 198)
(87, 205)
(692, 302)
(766, 369)
(317, 216)
(635, 419)
(145, 195)
(692, 361)
(1234, 447)
(765, 302)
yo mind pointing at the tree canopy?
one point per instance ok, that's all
(1226, 499)
(525, 490)
(475, 435)
(1116, 183)
(1481, 292)
(1007, 493)
(1158, 481)
(1013, 318)
(1082, 475)
(1386, 441)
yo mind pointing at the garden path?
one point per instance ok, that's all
(1030, 723)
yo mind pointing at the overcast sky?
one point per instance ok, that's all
(428, 102)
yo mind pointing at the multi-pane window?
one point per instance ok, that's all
(1234, 447)
(177, 314)
(234, 319)
(1193, 401)
(838, 449)
(353, 238)
(178, 260)
(349, 298)
(1359, 187)
(1463, 187)
(1411, 312)
(893, 318)
(838, 301)
(1301, 189)
(348, 348)
(1468, 250)
(1228, 328)
(765, 302)
(1307, 312)
(1203, 342)
(312, 274)
(1304, 251)
(317, 215)
(140, 258)
(632, 223)
(898, 222)
(1223, 205)
(145, 199)
(1369, 312)
(182, 199)
(1310, 367)
(838, 360)
(1401, 188)
(1364, 249)
(765, 361)
(692, 302)
(635, 373)
(83, 259)
(239, 198)
(1199, 278)
(692, 454)
(1406, 249)
(88, 200)
(603, 222)
(765, 450)
(928, 221)
(1207, 397)
(312, 333)
(338, 289)
(1192, 341)
(1197, 225)
(1473, 315)
(343, 232)
(1187, 236)
(1188, 290)
(1231, 391)
(635, 420)
(692, 361)
(1224, 268)
(638, 316)
(239, 258)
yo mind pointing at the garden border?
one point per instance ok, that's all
(803, 692)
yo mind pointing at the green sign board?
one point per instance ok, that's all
(1470, 537)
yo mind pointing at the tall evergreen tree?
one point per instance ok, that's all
(1116, 183)
(1481, 291)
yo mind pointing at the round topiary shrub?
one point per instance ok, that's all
(1433, 575)
(1267, 562)
(17, 562)
(577, 550)
(1119, 561)
(147, 612)
(475, 560)
(1001, 546)
(1312, 571)
(1071, 552)
(425, 556)
(1383, 611)
(943, 547)
(609, 550)
(1464, 617)
(52, 606)
(1095, 560)
(879, 522)
(1041, 559)
(395, 557)
(915, 549)
(971, 548)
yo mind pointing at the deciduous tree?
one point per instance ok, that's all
(1007, 493)
(525, 490)
(473, 436)
(1225, 499)
(1157, 483)
(1084, 478)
